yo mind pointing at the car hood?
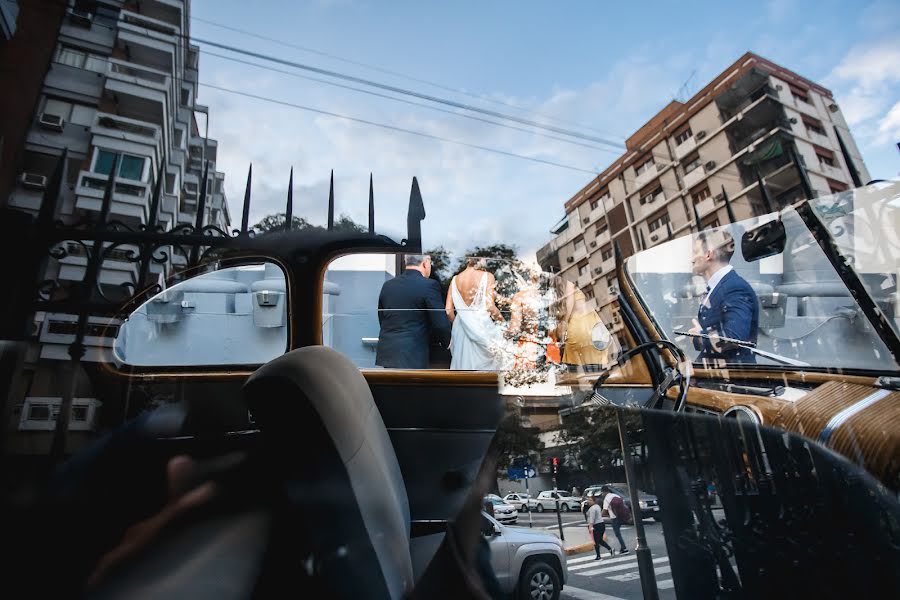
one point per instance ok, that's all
(525, 535)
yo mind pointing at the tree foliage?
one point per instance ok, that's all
(514, 439)
(440, 262)
(275, 222)
(593, 436)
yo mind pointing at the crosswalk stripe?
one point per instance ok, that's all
(621, 567)
(665, 584)
(636, 575)
(580, 594)
(605, 561)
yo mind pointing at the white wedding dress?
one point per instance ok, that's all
(475, 339)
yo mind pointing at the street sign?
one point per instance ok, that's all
(513, 474)
(529, 472)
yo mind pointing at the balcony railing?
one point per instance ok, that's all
(39, 413)
(602, 238)
(704, 207)
(148, 23)
(686, 146)
(579, 253)
(643, 178)
(584, 280)
(694, 177)
(130, 198)
(133, 73)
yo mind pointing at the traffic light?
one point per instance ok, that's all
(555, 462)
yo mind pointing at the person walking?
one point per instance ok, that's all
(596, 527)
(615, 508)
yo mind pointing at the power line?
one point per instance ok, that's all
(447, 88)
(395, 128)
(409, 102)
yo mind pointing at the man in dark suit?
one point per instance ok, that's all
(410, 311)
(729, 307)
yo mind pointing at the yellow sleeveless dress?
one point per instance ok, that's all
(578, 349)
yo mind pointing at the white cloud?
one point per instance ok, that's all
(870, 66)
(889, 126)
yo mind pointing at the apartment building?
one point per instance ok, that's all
(121, 87)
(681, 165)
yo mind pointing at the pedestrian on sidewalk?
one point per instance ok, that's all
(616, 509)
(596, 527)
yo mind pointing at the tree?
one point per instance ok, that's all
(593, 435)
(503, 262)
(275, 222)
(514, 439)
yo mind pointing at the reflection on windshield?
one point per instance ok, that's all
(480, 314)
(791, 308)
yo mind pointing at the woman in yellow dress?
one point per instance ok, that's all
(576, 322)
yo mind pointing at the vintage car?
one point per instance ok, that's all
(243, 411)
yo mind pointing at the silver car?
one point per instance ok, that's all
(503, 512)
(527, 562)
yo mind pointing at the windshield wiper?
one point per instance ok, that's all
(749, 346)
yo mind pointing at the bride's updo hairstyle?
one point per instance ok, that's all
(476, 262)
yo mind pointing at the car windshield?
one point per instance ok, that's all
(801, 307)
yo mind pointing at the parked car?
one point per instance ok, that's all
(649, 504)
(522, 502)
(503, 512)
(547, 501)
(528, 563)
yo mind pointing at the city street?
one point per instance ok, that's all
(611, 578)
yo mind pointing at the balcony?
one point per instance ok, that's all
(641, 179)
(807, 108)
(579, 253)
(116, 269)
(685, 147)
(602, 238)
(39, 413)
(834, 172)
(58, 332)
(591, 304)
(139, 75)
(143, 25)
(608, 265)
(129, 199)
(694, 177)
(596, 213)
(706, 206)
(584, 281)
(123, 128)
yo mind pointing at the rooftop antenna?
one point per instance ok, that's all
(683, 92)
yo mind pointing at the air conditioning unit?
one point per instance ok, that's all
(613, 290)
(710, 165)
(833, 107)
(720, 196)
(586, 220)
(80, 17)
(571, 259)
(33, 181)
(598, 270)
(793, 120)
(617, 318)
(778, 87)
(700, 135)
(653, 237)
(594, 244)
(54, 122)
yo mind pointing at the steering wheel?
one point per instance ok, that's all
(674, 375)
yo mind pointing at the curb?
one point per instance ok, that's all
(579, 549)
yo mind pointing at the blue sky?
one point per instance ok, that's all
(596, 67)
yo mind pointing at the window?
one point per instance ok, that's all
(691, 162)
(683, 136)
(836, 186)
(651, 196)
(602, 227)
(644, 166)
(130, 167)
(813, 125)
(594, 204)
(658, 222)
(579, 245)
(800, 94)
(583, 269)
(588, 293)
(701, 195)
(606, 253)
(80, 59)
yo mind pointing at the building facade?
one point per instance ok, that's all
(679, 168)
(120, 88)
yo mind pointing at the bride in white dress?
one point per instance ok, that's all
(475, 337)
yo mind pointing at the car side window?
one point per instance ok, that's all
(232, 316)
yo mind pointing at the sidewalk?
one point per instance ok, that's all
(577, 540)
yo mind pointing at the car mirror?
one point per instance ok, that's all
(496, 530)
(764, 240)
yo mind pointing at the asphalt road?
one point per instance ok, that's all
(618, 578)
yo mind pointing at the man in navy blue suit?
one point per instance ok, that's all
(410, 312)
(729, 308)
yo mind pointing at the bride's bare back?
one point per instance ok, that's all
(467, 283)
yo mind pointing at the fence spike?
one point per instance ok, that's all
(767, 200)
(331, 202)
(53, 193)
(201, 213)
(414, 216)
(245, 220)
(289, 207)
(371, 206)
(728, 208)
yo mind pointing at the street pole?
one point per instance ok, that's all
(644, 558)
(562, 536)
(528, 494)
